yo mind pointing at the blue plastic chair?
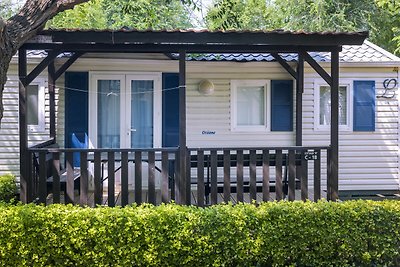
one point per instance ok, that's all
(76, 143)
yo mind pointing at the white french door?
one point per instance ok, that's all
(125, 110)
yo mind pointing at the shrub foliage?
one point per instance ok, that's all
(354, 233)
(8, 187)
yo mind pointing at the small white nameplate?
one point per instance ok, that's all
(208, 132)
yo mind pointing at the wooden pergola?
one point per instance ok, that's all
(78, 42)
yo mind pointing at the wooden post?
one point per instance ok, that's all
(23, 130)
(299, 99)
(334, 162)
(52, 98)
(183, 180)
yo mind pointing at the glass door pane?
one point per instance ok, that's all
(108, 118)
(142, 113)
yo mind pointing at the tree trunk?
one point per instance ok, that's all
(23, 26)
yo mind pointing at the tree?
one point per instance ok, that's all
(379, 16)
(21, 27)
(34, 14)
(110, 14)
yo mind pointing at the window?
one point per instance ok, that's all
(249, 105)
(323, 106)
(35, 107)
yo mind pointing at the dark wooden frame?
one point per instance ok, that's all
(182, 42)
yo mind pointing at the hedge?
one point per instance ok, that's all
(8, 187)
(354, 233)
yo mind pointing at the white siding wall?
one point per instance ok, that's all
(368, 161)
(9, 130)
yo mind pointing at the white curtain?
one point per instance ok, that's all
(325, 105)
(108, 118)
(250, 106)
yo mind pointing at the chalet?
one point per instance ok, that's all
(200, 117)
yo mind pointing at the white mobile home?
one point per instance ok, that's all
(242, 101)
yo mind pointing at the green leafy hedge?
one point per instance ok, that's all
(8, 187)
(354, 233)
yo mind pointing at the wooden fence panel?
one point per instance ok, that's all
(124, 178)
(98, 187)
(152, 178)
(278, 170)
(111, 178)
(164, 177)
(200, 178)
(239, 171)
(84, 183)
(70, 195)
(227, 176)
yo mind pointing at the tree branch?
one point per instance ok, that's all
(33, 17)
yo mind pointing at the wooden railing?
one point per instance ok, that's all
(54, 174)
(214, 175)
(263, 174)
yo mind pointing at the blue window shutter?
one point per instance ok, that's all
(170, 110)
(364, 106)
(76, 106)
(282, 105)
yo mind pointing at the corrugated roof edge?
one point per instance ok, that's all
(383, 51)
(193, 30)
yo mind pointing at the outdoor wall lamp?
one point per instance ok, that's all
(206, 87)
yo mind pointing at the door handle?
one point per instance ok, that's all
(133, 130)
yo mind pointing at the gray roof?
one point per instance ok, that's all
(367, 52)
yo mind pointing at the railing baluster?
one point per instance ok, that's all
(317, 176)
(56, 177)
(265, 175)
(253, 174)
(152, 177)
(69, 190)
(84, 183)
(304, 178)
(214, 177)
(278, 170)
(111, 178)
(292, 173)
(174, 182)
(164, 177)
(200, 178)
(239, 172)
(138, 177)
(187, 182)
(227, 175)
(328, 174)
(42, 177)
(124, 178)
(98, 189)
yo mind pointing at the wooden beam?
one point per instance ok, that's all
(67, 64)
(42, 65)
(170, 56)
(324, 75)
(183, 180)
(299, 99)
(334, 160)
(175, 48)
(205, 37)
(284, 64)
(52, 98)
(23, 129)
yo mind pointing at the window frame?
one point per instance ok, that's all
(41, 126)
(349, 94)
(234, 84)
